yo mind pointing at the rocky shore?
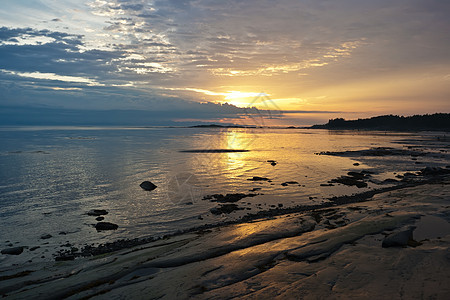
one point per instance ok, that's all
(394, 241)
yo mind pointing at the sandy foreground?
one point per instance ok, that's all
(332, 253)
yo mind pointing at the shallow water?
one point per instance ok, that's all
(50, 177)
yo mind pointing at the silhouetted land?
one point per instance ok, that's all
(220, 126)
(439, 121)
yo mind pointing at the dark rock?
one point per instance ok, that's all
(106, 226)
(326, 184)
(228, 198)
(350, 181)
(380, 151)
(34, 248)
(432, 171)
(46, 236)
(13, 251)
(65, 257)
(390, 180)
(257, 178)
(409, 174)
(254, 189)
(148, 186)
(272, 162)
(289, 182)
(356, 164)
(398, 239)
(97, 212)
(99, 218)
(357, 175)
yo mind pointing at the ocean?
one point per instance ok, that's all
(50, 177)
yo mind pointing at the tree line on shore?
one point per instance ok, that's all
(437, 121)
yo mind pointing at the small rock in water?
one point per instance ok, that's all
(289, 182)
(257, 178)
(46, 236)
(356, 164)
(272, 162)
(148, 186)
(34, 248)
(228, 197)
(106, 226)
(13, 251)
(97, 212)
(351, 180)
(99, 218)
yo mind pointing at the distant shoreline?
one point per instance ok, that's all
(434, 122)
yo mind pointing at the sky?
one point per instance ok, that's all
(307, 60)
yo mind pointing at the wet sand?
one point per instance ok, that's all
(394, 245)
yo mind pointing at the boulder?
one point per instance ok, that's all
(148, 186)
(106, 226)
(13, 251)
(432, 171)
(46, 236)
(97, 212)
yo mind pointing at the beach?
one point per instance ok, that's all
(395, 244)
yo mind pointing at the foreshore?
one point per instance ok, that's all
(396, 244)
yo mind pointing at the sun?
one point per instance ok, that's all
(241, 99)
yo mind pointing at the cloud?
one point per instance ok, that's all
(171, 52)
(52, 76)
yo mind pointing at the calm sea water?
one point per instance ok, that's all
(50, 177)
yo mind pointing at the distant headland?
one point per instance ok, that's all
(434, 122)
(220, 126)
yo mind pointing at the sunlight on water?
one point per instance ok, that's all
(50, 178)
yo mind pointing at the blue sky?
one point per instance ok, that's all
(319, 59)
